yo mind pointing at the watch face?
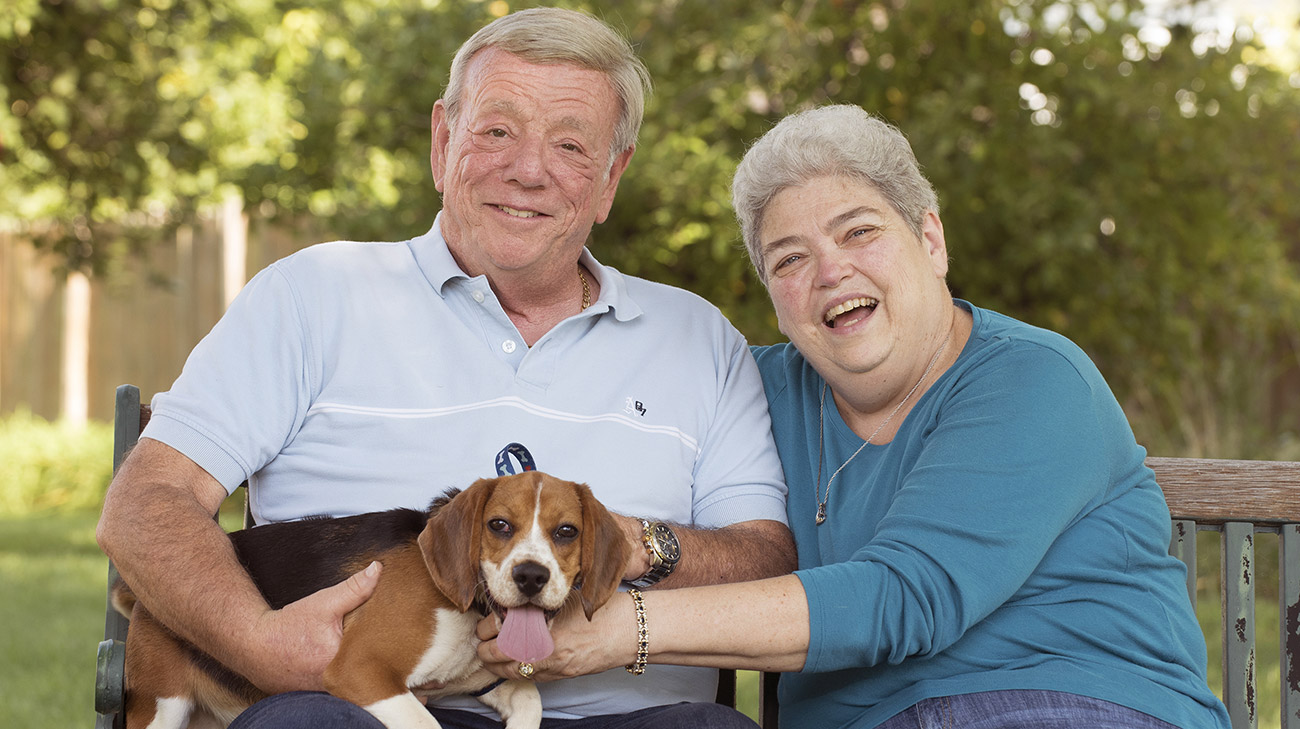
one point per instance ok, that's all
(666, 543)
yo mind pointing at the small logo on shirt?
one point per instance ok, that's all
(631, 405)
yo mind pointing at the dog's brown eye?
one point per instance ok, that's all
(566, 533)
(500, 526)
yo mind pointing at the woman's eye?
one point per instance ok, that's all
(787, 261)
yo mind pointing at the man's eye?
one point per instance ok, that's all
(497, 132)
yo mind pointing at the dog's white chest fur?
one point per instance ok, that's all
(449, 655)
(453, 660)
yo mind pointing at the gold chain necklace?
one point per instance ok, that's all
(586, 290)
(821, 427)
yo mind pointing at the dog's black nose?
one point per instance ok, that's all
(530, 577)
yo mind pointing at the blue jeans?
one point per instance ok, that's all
(1020, 709)
(310, 710)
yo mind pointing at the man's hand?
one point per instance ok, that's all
(302, 638)
(158, 529)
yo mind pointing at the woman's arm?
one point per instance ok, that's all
(761, 625)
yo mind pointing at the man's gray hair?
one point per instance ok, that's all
(840, 140)
(557, 36)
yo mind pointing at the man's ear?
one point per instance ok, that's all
(616, 171)
(440, 137)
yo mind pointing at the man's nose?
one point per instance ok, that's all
(527, 164)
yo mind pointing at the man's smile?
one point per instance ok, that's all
(516, 213)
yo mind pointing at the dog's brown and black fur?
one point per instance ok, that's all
(418, 626)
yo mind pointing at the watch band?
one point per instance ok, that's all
(659, 566)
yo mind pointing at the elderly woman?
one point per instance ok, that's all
(980, 543)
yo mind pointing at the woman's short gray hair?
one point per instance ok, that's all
(557, 36)
(839, 140)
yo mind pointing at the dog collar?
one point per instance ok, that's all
(526, 462)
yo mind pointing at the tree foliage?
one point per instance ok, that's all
(1134, 194)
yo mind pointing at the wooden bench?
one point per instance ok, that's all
(1239, 499)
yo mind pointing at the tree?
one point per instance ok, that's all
(1131, 191)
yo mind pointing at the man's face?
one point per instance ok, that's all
(853, 287)
(525, 170)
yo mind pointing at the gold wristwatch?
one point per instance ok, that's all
(664, 550)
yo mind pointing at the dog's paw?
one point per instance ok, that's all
(403, 711)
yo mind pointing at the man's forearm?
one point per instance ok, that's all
(749, 550)
(176, 558)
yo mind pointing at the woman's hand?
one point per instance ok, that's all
(608, 641)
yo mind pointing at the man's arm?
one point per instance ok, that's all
(158, 528)
(747, 550)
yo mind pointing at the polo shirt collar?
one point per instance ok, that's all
(440, 268)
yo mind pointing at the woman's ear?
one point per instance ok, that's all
(935, 245)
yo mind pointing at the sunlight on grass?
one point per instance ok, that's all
(53, 612)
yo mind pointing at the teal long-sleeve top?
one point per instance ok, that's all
(1009, 537)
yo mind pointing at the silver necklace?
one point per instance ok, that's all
(821, 427)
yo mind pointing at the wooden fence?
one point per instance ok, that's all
(144, 318)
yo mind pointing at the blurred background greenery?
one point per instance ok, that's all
(1120, 171)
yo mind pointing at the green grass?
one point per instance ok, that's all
(53, 577)
(53, 616)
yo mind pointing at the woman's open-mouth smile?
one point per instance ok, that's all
(849, 312)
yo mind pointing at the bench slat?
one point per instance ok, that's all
(1212, 491)
(1289, 579)
(1183, 546)
(1238, 565)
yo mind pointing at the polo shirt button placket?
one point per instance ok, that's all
(508, 346)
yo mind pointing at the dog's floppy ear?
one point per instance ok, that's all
(450, 543)
(605, 552)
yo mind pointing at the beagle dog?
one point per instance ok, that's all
(522, 546)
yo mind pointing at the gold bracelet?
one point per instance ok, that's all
(642, 635)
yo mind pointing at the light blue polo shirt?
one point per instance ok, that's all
(353, 377)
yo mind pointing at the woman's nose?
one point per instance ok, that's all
(833, 266)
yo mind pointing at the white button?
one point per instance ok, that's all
(478, 297)
(508, 346)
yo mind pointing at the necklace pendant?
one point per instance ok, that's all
(821, 513)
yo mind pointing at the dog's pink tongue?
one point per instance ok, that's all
(524, 636)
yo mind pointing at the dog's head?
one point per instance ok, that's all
(526, 539)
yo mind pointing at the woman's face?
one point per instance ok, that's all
(853, 287)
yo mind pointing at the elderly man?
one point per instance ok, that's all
(354, 377)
